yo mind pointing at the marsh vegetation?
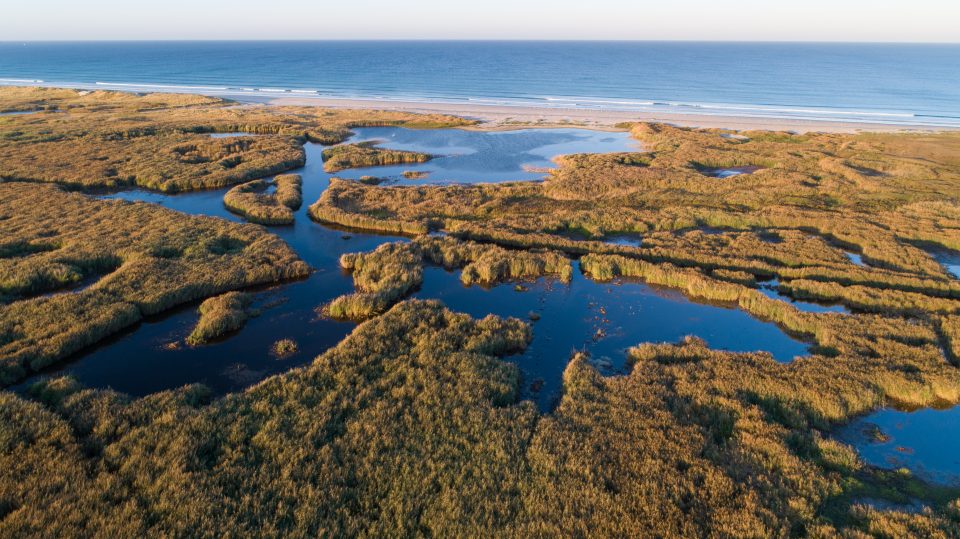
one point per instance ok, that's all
(257, 206)
(393, 270)
(413, 425)
(363, 155)
(663, 450)
(148, 259)
(219, 316)
(158, 141)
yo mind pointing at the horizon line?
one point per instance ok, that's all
(473, 40)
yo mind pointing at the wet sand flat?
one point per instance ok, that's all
(505, 116)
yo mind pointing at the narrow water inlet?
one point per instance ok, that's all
(771, 289)
(731, 171)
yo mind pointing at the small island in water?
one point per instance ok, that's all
(228, 319)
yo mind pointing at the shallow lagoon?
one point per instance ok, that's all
(462, 156)
(601, 318)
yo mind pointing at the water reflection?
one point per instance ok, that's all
(771, 289)
(484, 156)
(950, 260)
(926, 441)
(603, 319)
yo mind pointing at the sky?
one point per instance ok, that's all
(740, 20)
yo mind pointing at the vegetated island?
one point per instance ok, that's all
(256, 206)
(413, 425)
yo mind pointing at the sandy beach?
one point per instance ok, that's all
(504, 116)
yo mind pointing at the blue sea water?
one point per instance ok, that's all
(889, 83)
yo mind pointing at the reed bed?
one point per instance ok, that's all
(413, 414)
(219, 316)
(252, 202)
(412, 425)
(392, 271)
(362, 155)
(289, 190)
(144, 260)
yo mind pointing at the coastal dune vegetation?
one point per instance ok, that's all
(29, 98)
(414, 425)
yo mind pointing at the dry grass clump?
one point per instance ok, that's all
(289, 190)
(366, 154)
(412, 416)
(220, 315)
(866, 298)
(740, 277)
(284, 348)
(488, 264)
(415, 174)
(257, 206)
(147, 258)
(393, 270)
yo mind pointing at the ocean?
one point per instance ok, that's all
(889, 83)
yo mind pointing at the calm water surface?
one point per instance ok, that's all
(926, 441)
(603, 319)
(771, 290)
(950, 260)
(485, 156)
